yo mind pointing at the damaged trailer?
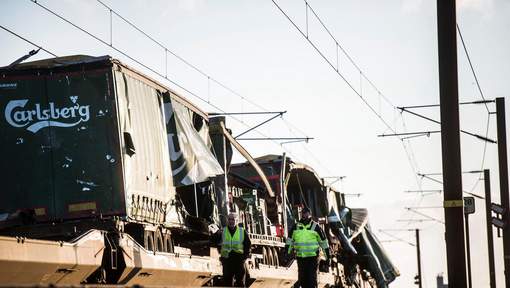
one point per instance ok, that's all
(94, 145)
(359, 258)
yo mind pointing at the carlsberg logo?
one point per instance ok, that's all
(40, 117)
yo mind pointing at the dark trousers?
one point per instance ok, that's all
(307, 272)
(233, 267)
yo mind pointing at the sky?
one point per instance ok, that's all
(253, 49)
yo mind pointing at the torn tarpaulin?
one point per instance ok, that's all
(188, 140)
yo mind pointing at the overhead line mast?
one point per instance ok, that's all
(450, 143)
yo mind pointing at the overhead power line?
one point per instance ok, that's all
(335, 68)
(28, 41)
(440, 182)
(149, 68)
(471, 66)
(407, 147)
(437, 122)
(123, 53)
(189, 64)
(483, 97)
(425, 215)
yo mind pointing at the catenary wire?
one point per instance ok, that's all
(306, 36)
(483, 97)
(333, 67)
(347, 54)
(28, 41)
(200, 71)
(152, 70)
(471, 67)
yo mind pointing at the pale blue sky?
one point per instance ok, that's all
(252, 48)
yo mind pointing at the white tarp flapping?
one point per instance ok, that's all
(189, 144)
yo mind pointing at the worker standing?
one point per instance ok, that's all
(306, 239)
(235, 249)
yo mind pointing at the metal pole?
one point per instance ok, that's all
(195, 169)
(219, 142)
(418, 256)
(466, 222)
(503, 182)
(283, 190)
(450, 143)
(488, 215)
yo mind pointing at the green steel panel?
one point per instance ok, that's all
(61, 148)
(26, 162)
(86, 161)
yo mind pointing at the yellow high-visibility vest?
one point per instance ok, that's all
(306, 241)
(232, 242)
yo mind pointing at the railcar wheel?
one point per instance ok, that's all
(148, 240)
(265, 258)
(169, 246)
(276, 261)
(158, 241)
(270, 256)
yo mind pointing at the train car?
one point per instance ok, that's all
(96, 145)
(109, 177)
(359, 258)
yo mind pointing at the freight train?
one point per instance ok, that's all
(109, 177)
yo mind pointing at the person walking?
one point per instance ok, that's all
(235, 249)
(307, 237)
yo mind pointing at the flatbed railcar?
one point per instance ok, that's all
(109, 177)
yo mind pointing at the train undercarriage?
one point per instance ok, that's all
(145, 255)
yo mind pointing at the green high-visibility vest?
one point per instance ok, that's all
(232, 242)
(306, 241)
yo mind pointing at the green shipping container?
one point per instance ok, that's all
(83, 137)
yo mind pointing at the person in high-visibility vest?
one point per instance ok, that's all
(306, 239)
(235, 249)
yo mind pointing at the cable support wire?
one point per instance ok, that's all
(306, 36)
(346, 54)
(143, 65)
(471, 66)
(395, 238)
(483, 97)
(334, 69)
(483, 155)
(349, 84)
(411, 156)
(437, 122)
(304, 146)
(186, 62)
(441, 182)
(209, 77)
(425, 215)
(28, 41)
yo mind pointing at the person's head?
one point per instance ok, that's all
(231, 220)
(305, 213)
